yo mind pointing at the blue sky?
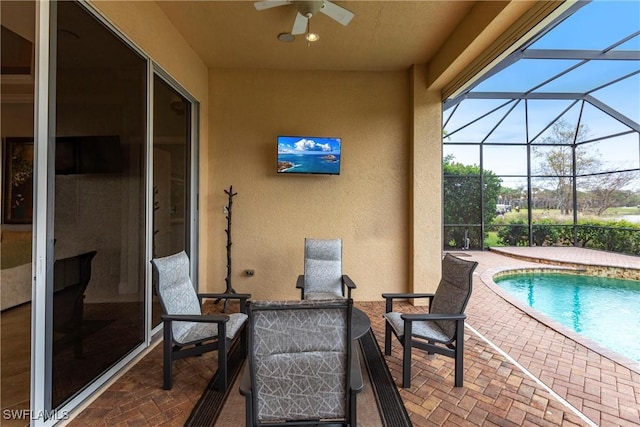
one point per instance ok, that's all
(597, 25)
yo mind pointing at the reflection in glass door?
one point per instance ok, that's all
(98, 286)
(17, 41)
(171, 172)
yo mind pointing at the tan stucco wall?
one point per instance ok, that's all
(367, 205)
(388, 218)
(426, 186)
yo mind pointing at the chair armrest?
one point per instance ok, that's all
(245, 381)
(300, 285)
(426, 316)
(211, 318)
(241, 297)
(405, 295)
(225, 296)
(389, 297)
(348, 282)
(357, 383)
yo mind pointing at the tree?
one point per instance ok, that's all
(605, 190)
(463, 202)
(599, 190)
(557, 160)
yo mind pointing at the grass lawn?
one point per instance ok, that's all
(623, 210)
(491, 239)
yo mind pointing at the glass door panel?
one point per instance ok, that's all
(17, 39)
(99, 204)
(171, 172)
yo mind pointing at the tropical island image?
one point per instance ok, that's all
(320, 155)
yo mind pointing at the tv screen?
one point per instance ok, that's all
(309, 155)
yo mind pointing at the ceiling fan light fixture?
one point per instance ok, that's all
(306, 9)
(312, 37)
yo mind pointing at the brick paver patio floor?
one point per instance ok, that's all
(518, 371)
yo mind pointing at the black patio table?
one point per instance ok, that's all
(360, 323)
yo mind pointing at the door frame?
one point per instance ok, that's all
(41, 413)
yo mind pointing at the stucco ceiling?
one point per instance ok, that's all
(383, 35)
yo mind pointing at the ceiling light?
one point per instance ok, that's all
(311, 37)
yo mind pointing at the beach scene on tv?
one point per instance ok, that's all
(308, 155)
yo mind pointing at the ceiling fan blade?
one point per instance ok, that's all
(336, 12)
(300, 24)
(268, 4)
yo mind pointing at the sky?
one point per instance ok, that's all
(597, 25)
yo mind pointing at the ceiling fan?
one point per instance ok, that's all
(308, 9)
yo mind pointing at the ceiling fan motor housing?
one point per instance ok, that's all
(308, 8)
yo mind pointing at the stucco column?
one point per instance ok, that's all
(426, 186)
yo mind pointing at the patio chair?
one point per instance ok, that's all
(441, 330)
(303, 367)
(323, 276)
(187, 332)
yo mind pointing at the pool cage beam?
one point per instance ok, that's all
(529, 187)
(583, 56)
(530, 202)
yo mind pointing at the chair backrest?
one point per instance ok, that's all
(323, 266)
(175, 290)
(454, 290)
(299, 359)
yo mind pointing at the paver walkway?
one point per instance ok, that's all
(607, 392)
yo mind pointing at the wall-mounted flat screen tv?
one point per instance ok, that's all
(309, 155)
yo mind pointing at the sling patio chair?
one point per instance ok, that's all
(441, 330)
(188, 332)
(303, 367)
(323, 276)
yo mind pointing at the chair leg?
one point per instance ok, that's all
(406, 364)
(222, 363)
(166, 356)
(459, 354)
(406, 355)
(353, 410)
(387, 338)
(248, 403)
(243, 342)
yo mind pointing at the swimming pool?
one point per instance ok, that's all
(602, 309)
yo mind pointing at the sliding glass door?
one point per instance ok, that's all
(98, 287)
(111, 191)
(172, 119)
(17, 41)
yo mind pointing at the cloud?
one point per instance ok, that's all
(283, 148)
(310, 145)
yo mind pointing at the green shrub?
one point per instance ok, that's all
(615, 236)
(515, 233)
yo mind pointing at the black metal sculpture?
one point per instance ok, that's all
(229, 288)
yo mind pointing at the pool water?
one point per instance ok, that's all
(602, 309)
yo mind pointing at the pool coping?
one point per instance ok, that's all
(487, 278)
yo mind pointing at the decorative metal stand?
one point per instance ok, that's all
(229, 289)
